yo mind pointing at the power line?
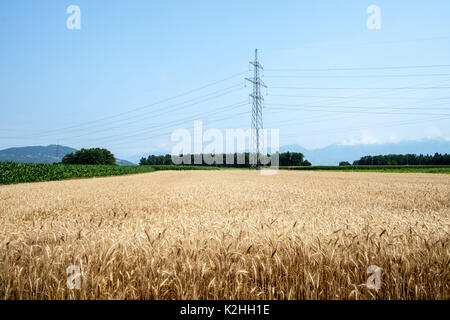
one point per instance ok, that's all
(360, 96)
(168, 132)
(367, 68)
(382, 93)
(166, 124)
(328, 45)
(144, 138)
(359, 88)
(152, 114)
(395, 107)
(171, 123)
(329, 99)
(354, 98)
(317, 109)
(136, 115)
(363, 76)
(149, 105)
(169, 110)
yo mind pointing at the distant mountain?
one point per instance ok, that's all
(124, 163)
(36, 154)
(334, 154)
(41, 154)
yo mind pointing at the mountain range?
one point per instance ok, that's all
(42, 154)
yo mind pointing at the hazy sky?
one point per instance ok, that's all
(137, 70)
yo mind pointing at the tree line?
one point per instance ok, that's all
(285, 159)
(402, 159)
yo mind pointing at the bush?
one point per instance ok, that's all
(95, 156)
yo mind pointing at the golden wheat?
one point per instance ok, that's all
(227, 235)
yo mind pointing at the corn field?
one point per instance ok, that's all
(227, 234)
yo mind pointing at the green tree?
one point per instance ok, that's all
(143, 162)
(306, 163)
(90, 156)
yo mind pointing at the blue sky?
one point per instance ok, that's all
(103, 85)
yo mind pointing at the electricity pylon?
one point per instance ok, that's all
(256, 139)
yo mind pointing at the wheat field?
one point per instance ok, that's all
(231, 234)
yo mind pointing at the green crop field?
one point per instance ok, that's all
(11, 173)
(20, 172)
(392, 168)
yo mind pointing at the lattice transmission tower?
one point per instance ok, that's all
(256, 139)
